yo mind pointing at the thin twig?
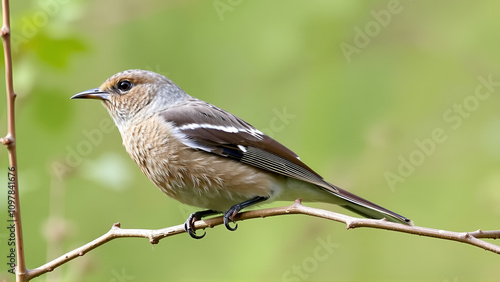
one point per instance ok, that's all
(154, 236)
(10, 142)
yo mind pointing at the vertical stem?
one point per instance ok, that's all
(10, 141)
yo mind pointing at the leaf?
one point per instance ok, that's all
(55, 52)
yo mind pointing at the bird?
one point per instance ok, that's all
(204, 156)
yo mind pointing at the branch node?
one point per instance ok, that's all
(349, 224)
(297, 202)
(4, 31)
(116, 225)
(8, 140)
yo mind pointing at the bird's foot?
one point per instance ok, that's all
(234, 210)
(229, 217)
(189, 224)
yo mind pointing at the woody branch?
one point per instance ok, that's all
(154, 236)
(10, 142)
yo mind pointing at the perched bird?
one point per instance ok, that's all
(203, 156)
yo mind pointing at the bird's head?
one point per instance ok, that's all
(135, 94)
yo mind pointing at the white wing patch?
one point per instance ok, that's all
(187, 141)
(230, 129)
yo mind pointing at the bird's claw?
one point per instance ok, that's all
(189, 226)
(189, 229)
(229, 217)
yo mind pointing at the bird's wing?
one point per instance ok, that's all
(203, 126)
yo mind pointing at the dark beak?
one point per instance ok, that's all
(95, 93)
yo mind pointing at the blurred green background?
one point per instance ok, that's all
(362, 83)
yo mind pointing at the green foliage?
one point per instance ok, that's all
(55, 52)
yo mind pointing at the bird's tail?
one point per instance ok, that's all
(366, 208)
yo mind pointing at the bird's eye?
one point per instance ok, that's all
(124, 85)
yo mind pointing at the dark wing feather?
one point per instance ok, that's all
(216, 131)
